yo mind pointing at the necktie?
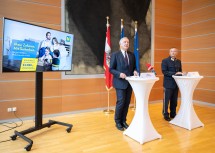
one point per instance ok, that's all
(126, 58)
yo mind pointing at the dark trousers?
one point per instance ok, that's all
(122, 104)
(170, 96)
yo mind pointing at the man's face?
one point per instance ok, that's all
(124, 44)
(173, 52)
(48, 36)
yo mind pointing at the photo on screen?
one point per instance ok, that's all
(31, 48)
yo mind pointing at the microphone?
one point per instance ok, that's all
(151, 68)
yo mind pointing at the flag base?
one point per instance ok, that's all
(108, 111)
(132, 108)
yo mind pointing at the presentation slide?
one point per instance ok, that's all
(32, 48)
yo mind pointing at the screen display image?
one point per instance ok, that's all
(31, 48)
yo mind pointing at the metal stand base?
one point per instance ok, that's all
(49, 124)
(38, 114)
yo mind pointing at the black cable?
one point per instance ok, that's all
(5, 141)
(19, 119)
(10, 128)
(2, 124)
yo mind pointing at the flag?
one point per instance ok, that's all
(108, 75)
(122, 29)
(136, 49)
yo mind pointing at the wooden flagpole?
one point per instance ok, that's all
(108, 110)
(134, 106)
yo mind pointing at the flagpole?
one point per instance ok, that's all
(122, 29)
(108, 110)
(134, 106)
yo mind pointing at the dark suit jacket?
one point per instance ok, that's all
(170, 68)
(118, 65)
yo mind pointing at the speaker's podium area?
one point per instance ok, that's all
(187, 117)
(141, 128)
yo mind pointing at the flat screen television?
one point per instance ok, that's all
(32, 48)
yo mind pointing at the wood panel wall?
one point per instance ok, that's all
(66, 95)
(18, 89)
(198, 45)
(59, 95)
(167, 34)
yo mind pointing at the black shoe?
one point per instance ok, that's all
(167, 118)
(125, 125)
(172, 116)
(119, 127)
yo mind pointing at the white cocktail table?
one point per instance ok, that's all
(186, 116)
(141, 128)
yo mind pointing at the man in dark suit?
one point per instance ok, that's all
(122, 65)
(170, 66)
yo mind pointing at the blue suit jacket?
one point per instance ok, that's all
(118, 65)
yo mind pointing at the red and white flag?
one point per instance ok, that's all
(108, 75)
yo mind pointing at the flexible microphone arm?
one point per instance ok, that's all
(151, 68)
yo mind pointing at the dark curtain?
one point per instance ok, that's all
(89, 17)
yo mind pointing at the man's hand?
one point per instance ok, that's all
(179, 73)
(136, 73)
(122, 75)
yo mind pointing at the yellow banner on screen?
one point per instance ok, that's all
(29, 64)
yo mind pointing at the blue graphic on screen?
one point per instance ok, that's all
(23, 49)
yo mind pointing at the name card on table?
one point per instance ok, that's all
(193, 74)
(147, 75)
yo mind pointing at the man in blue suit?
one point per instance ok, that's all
(170, 66)
(122, 65)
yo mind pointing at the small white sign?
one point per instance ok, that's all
(147, 75)
(193, 74)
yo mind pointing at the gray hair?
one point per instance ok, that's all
(120, 41)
